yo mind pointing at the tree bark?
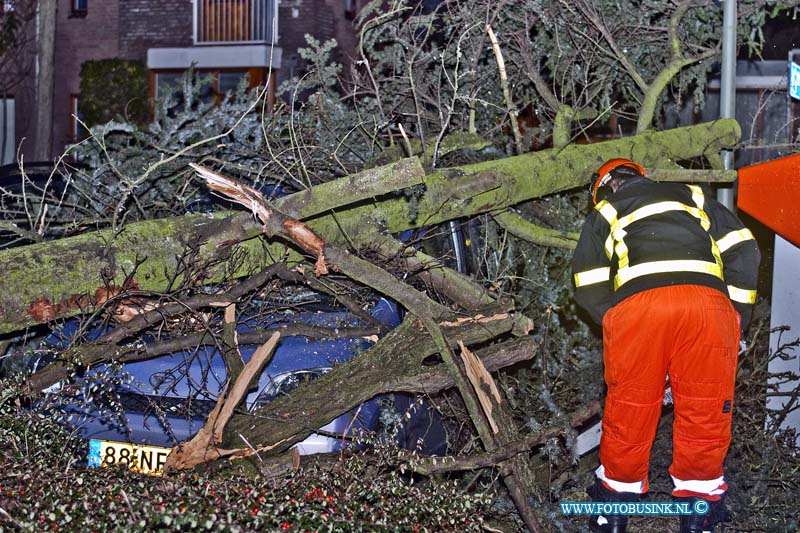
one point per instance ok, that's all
(57, 279)
(44, 87)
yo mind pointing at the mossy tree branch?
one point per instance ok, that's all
(519, 227)
(678, 61)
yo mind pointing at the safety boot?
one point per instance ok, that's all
(609, 523)
(704, 523)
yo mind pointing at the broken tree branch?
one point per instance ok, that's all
(202, 448)
(429, 465)
(458, 288)
(106, 348)
(480, 379)
(277, 224)
(416, 303)
(519, 227)
(395, 363)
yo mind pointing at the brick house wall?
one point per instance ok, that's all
(79, 39)
(154, 24)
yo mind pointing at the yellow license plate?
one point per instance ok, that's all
(139, 458)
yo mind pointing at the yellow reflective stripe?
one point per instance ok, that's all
(626, 274)
(733, 238)
(663, 207)
(609, 246)
(741, 295)
(698, 197)
(704, 220)
(608, 212)
(717, 255)
(622, 250)
(699, 200)
(590, 277)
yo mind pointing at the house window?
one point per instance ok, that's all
(215, 83)
(76, 130)
(170, 82)
(350, 9)
(79, 8)
(227, 21)
(230, 80)
(7, 137)
(165, 81)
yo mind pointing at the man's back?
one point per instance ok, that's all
(653, 235)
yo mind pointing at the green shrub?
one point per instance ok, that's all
(113, 88)
(46, 485)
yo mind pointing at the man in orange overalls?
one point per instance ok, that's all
(671, 275)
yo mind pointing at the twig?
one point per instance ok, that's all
(406, 141)
(501, 67)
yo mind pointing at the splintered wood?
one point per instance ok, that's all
(252, 199)
(477, 318)
(478, 376)
(202, 448)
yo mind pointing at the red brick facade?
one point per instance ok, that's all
(95, 35)
(148, 24)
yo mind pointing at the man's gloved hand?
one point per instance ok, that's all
(742, 346)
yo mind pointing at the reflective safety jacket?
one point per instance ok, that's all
(649, 235)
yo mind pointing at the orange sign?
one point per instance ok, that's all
(770, 192)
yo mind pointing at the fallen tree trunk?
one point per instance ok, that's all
(396, 363)
(62, 278)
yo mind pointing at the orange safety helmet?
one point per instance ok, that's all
(602, 176)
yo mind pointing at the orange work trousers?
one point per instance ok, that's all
(690, 333)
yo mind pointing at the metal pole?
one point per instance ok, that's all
(727, 96)
(789, 115)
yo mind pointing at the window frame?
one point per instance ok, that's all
(79, 8)
(75, 127)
